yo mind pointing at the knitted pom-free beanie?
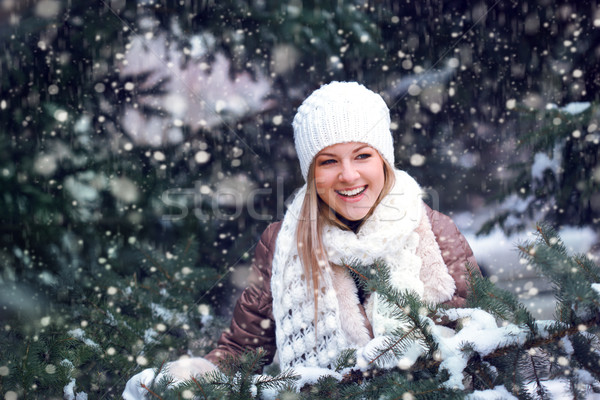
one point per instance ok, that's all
(341, 112)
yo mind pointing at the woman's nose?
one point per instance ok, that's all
(348, 173)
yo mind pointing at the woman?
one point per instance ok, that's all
(354, 206)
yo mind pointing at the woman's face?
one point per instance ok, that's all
(349, 177)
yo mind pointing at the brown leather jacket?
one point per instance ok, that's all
(252, 324)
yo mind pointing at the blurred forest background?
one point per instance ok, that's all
(145, 146)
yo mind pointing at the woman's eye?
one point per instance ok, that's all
(363, 156)
(326, 162)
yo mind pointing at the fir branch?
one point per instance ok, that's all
(149, 289)
(481, 373)
(96, 307)
(346, 359)
(390, 347)
(157, 265)
(540, 388)
(585, 355)
(570, 275)
(543, 235)
(512, 363)
(430, 363)
(364, 278)
(515, 370)
(573, 389)
(199, 386)
(425, 392)
(24, 369)
(26, 356)
(255, 361)
(276, 381)
(115, 327)
(533, 343)
(503, 304)
(188, 245)
(397, 385)
(470, 270)
(150, 391)
(160, 368)
(591, 275)
(354, 375)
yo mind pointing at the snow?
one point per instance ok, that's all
(481, 331)
(559, 388)
(310, 375)
(410, 356)
(110, 319)
(584, 377)
(498, 254)
(577, 239)
(576, 107)
(67, 363)
(567, 345)
(69, 392)
(206, 319)
(541, 163)
(150, 336)
(69, 389)
(124, 189)
(234, 191)
(596, 287)
(79, 333)
(573, 108)
(499, 392)
(81, 191)
(167, 315)
(376, 346)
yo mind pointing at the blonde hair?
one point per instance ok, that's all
(313, 215)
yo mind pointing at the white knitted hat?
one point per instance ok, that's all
(341, 112)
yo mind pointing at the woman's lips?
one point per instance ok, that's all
(353, 194)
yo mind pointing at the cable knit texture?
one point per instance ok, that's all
(341, 112)
(392, 233)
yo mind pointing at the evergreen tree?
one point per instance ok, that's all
(556, 178)
(81, 199)
(98, 334)
(497, 347)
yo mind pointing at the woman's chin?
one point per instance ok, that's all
(353, 214)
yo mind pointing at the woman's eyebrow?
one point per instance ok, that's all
(356, 150)
(360, 148)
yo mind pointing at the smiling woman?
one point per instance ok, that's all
(304, 303)
(349, 177)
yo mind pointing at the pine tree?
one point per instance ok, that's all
(497, 348)
(81, 199)
(104, 333)
(556, 176)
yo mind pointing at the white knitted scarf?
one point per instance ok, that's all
(388, 234)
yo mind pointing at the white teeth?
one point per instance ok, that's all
(352, 192)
